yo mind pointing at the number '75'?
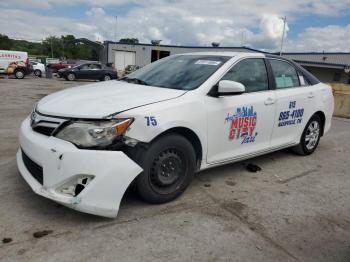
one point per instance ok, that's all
(151, 120)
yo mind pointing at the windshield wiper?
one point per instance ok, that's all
(134, 80)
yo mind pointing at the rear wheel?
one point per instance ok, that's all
(169, 165)
(310, 138)
(106, 78)
(19, 74)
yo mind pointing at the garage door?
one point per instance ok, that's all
(123, 59)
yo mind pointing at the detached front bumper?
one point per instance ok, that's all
(58, 162)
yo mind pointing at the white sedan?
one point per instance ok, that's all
(38, 68)
(84, 146)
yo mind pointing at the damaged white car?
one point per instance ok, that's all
(84, 146)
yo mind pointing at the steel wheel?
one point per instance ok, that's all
(167, 170)
(168, 167)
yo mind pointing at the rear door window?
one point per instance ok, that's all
(285, 74)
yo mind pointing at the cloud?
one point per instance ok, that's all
(330, 38)
(251, 23)
(96, 12)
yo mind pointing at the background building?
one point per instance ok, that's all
(328, 67)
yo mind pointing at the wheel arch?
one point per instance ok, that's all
(191, 136)
(321, 115)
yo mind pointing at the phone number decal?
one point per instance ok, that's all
(292, 116)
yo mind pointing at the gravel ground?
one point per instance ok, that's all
(294, 209)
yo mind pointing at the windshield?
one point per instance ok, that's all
(184, 72)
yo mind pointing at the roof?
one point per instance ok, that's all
(183, 46)
(226, 53)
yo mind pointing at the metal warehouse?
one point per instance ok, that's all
(328, 67)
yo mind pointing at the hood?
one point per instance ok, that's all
(102, 99)
(63, 69)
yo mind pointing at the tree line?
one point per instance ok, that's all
(63, 47)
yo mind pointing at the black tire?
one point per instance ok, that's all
(307, 146)
(37, 72)
(106, 77)
(19, 73)
(70, 77)
(168, 168)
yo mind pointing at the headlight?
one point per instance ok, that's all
(92, 134)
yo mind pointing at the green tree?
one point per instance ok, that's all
(5, 42)
(53, 47)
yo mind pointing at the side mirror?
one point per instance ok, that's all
(227, 87)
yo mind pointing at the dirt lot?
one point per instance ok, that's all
(295, 209)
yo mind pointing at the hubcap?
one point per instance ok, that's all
(107, 78)
(166, 170)
(19, 74)
(312, 134)
(71, 77)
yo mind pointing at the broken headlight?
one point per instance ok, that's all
(86, 134)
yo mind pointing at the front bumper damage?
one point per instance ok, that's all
(62, 162)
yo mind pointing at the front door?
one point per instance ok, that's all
(239, 125)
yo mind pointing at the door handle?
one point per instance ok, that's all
(269, 101)
(311, 95)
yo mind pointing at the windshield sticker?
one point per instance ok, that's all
(292, 116)
(242, 124)
(207, 62)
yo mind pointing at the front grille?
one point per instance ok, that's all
(34, 169)
(44, 130)
(45, 125)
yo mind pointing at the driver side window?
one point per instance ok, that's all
(251, 73)
(84, 67)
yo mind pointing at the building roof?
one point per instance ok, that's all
(322, 59)
(340, 59)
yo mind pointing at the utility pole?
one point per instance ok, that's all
(284, 29)
(116, 29)
(51, 49)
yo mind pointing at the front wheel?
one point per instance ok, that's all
(168, 168)
(310, 138)
(37, 72)
(71, 77)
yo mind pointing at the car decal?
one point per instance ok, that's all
(292, 116)
(151, 120)
(242, 122)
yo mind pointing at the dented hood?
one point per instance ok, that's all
(102, 99)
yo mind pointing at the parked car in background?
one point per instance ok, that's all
(131, 68)
(91, 71)
(38, 68)
(57, 66)
(15, 63)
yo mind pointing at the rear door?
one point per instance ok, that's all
(241, 124)
(295, 103)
